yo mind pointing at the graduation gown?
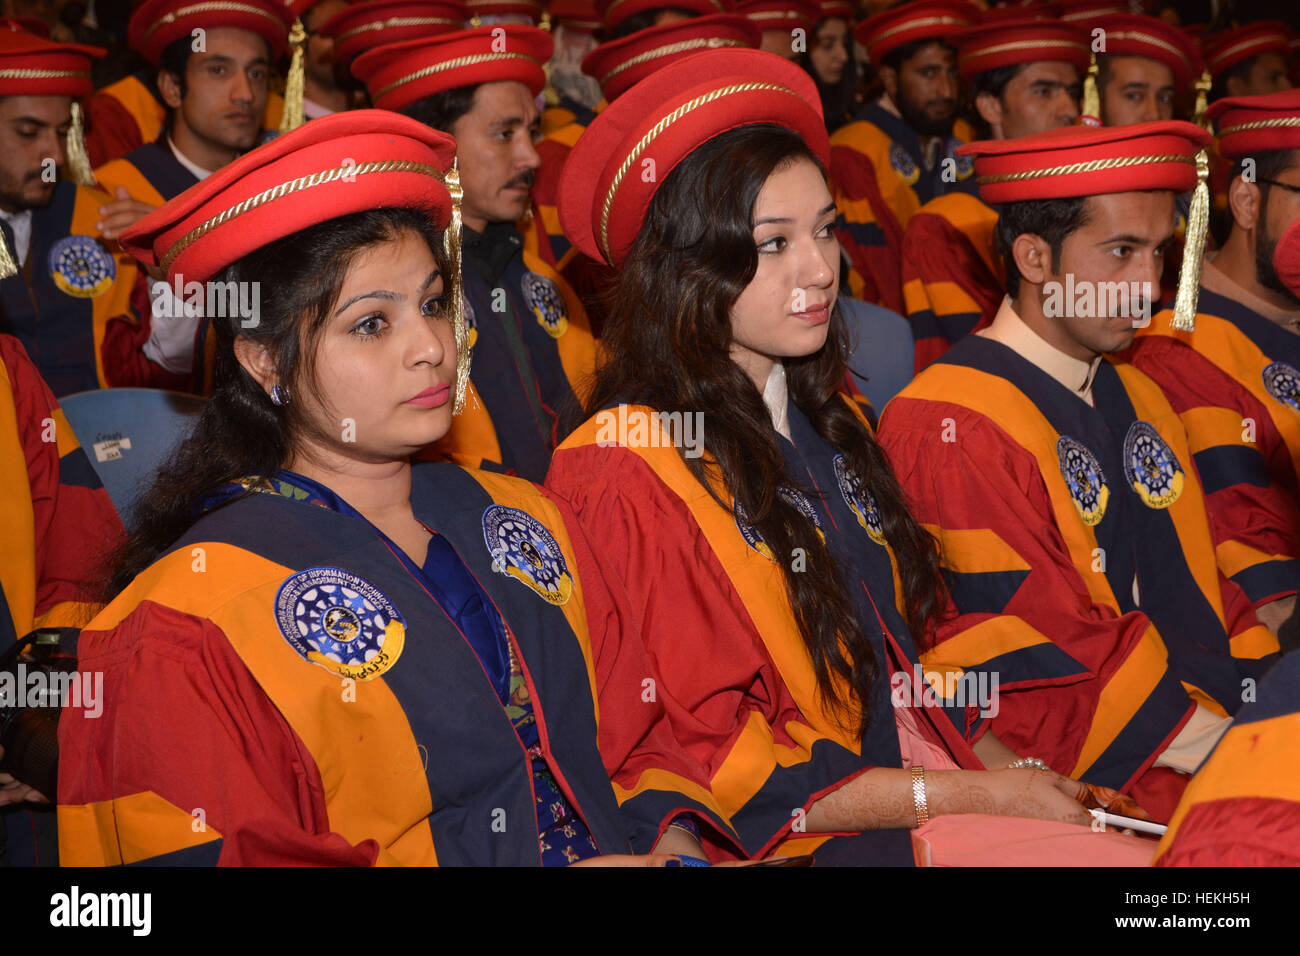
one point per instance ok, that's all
(1046, 509)
(533, 354)
(279, 688)
(710, 601)
(56, 521)
(75, 304)
(1235, 382)
(1243, 806)
(952, 280)
(879, 180)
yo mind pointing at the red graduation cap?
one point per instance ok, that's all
(991, 46)
(603, 196)
(1087, 12)
(614, 12)
(621, 64)
(364, 26)
(1226, 49)
(1088, 161)
(31, 65)
(835, 8)
(157, 24)
(532, 9)
(1249, 125)
(34, 25)
(781, 15)
(401, 73)
(333, 166)
(918, 22)
(578, 16)
(1150, 37)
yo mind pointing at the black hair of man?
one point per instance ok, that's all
(1050, 219)
(441, 110)
(994, 83)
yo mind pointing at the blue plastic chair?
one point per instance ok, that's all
(128, 432)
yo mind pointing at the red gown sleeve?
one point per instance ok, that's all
(111, 130)
(188, 762)
(947, 289)
(75, 523)
(655, 778)
(1023, 610)
(1238, 454)
(719, 688)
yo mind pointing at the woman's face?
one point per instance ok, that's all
(830, 50)
(385, 373)
(784, 312)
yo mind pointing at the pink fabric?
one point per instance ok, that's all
(972, 839)
(918, 750)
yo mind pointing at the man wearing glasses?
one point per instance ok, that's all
(1235, 381)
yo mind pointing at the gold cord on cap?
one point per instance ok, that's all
(7, 265)
(1202, 94)
(455, 286)
(78, 160)
(1091, 113)
(1198, 219)
(292, 117)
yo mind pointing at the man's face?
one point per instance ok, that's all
(318, 60)
(494, 147)
(226, 89)
(1120, 252)
(1040, 97)
(1137, 90)
(1280, 207)
(32, 133)
(1267, 75)
(925, 89)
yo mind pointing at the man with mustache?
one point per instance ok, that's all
(1235, 380)
(898, 153)
(534, 348)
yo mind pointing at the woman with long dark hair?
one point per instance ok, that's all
(829, 61)
(783, 588)
(339, 657)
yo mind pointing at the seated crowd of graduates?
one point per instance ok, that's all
(689, 432)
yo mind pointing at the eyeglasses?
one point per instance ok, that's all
(1287, 186)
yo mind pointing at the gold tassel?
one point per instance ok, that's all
(1202, 97)
(1198, 219)
(546, 21)
(292, 117)
(1090, 115)
(451, 243)
(7, 265)
(78, 160)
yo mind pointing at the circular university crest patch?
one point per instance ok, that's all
(1084, 479)
(80, 267)
(965, 165)
(750, 533)
(1151, 466)
(859, 499)
(1283, 382)
(547, 304)
(340, 621)
(903, 164)
(523, 548)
